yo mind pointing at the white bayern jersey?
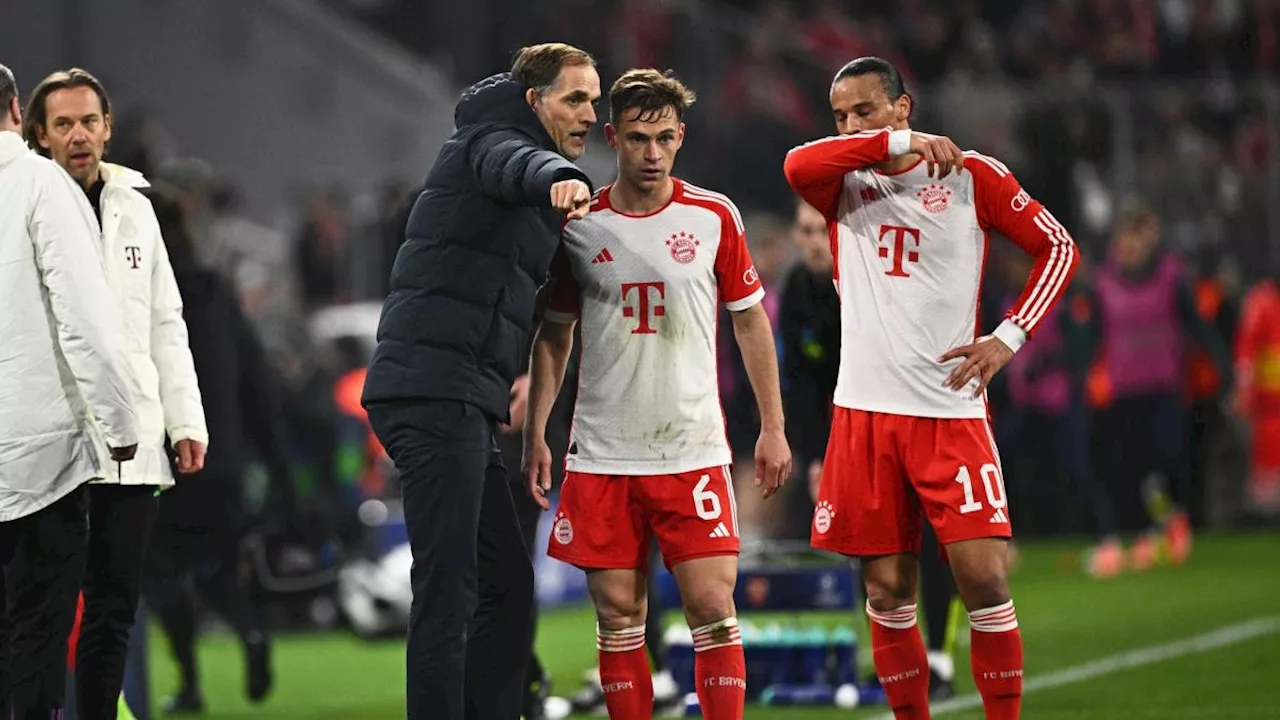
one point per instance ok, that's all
(910, 251)
(647, 291)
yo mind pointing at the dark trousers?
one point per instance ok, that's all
(42, 560)
(120, 522)
(1060, 445)
(1207, 426)
(203, 558)
(472, 579)
(1151, 438)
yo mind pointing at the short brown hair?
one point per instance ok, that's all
(538, 66)
(36, 115)
(649, 92)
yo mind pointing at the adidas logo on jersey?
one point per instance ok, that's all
(604, 257)
(720, 532)
(999, 516)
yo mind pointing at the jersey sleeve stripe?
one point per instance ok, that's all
(989, 161)
(697, 193)
(746, 302)
(1051, 277)
(1054, 274)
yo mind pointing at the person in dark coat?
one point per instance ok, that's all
(809, 330)
(478, 244)
(196, 538)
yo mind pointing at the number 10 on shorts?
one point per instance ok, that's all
(991, 482)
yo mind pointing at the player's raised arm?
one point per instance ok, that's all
(816, 169)
(552, 345)
(1002, 205)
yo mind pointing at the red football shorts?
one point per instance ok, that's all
(882, 470)
(606, 521)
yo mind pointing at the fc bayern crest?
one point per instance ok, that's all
(822, 516)
(683, 246)
(935, 198)
(563, 530)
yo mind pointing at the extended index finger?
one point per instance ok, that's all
(953, 353)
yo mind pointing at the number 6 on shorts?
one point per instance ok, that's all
(705, 501)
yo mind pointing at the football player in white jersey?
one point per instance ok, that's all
(908, 217)
(644, 274)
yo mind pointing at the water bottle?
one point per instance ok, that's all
(680, 660)
(798, 694)
(844, 646)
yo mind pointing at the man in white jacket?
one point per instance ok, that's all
(62, 364)
(69, 119)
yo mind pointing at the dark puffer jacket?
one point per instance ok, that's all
(477, 246)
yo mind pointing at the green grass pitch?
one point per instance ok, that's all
(1067, 620)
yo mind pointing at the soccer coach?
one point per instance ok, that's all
(478, 244)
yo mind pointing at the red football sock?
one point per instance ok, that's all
(996, 657)
(624, 673)
(720, 670)
(901, 662)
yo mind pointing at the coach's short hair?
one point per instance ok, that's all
(649, 92)
(36, 114)
(8, 88)
(888, 73)
(538, 66)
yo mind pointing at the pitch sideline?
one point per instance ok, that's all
(1139, 657)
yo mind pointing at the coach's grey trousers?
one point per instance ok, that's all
(472, 577)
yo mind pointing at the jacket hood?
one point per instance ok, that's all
(500, 99)
(12, 147)
(120, 175)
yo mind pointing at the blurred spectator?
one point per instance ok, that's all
(809, 337)
(322, 251)
(1147, 314)
(1217, 302)
(199, 522)
(831, 36)
(1258, 357)
(1048, 421)
(252, 256)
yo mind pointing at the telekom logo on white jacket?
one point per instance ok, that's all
(139, 272)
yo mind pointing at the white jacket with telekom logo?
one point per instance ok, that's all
(62, 359)
(138, 270)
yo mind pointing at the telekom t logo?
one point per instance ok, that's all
(898, 246)
(643, 306)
